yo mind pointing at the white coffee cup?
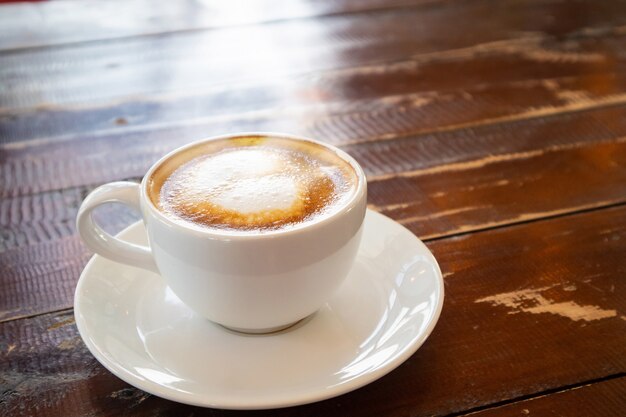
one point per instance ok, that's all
(259, 282)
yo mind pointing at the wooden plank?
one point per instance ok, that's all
(607, 398)
(60, 377)
(555, 305)
(41, 256)
(28, 169)
(503, 81)
(492, 191)
(42, 278)
(435, 202)
(199, 60)
(432, 202)
(51, 215)
(28, 25)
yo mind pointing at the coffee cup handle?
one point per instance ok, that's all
(101, 242)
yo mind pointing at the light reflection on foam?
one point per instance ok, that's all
(245, 181)
(253, 195)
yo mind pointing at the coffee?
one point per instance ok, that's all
(252, 184)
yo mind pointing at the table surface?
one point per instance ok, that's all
(493, 130)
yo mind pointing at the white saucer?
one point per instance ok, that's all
(139, 330)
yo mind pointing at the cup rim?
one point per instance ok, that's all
(359, 193)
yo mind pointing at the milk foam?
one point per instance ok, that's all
(252, 184)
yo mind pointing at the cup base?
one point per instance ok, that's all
(268, 330)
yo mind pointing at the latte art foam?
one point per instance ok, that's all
(252, 184)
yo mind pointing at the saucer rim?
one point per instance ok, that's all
(314, 396)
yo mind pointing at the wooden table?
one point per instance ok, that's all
(493, 130)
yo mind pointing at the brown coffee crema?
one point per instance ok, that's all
(252, 184)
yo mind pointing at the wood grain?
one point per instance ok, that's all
(490, 192)
(51, 215)
(601, 399)
(50, 166)
(563, 315)
(397, 98)
(60, 22)
(187, 62)
(41, 256)
(40, 278)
